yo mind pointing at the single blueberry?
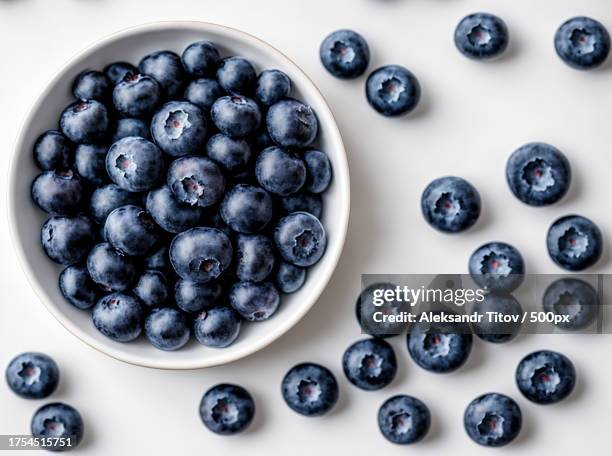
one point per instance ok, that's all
(279, 171)
(203, 93)
(392, 90)
(201, 58)
(167, 69)
(130, 127)
(545, 377)
(105, 200)
(218, 327)
(136, 95)
(231, 154)
(169, 214)
(167, 329)
(502, 305)
(582, 43)
(92, 85)
(310, 389)
(289, 278)
(235, 115)
(53, 151)
(291, 123)
(236, 75)
(109, 268)
(60, 423)
(227, 409)
(300, 239)
(179, 128)
(90, 163)
(152, 288)
(246, 209)
(493, 420)
(345, 54)
(574, 242)
(272, 87)
(318, 171)
(135, 164)
(450, 204)
(193, 297)
(201, 254)
(32, 375)
(67, 240)
(538, 174)
(572, 298)
(497, 267)
(78, 288)
(58, 192)
(196, 181)
(370, 364)
(481, 36)
(116, 71)
(365, 310)
(303, 202)
(131, 230)
(84, 121)
(119, 317)
(254, 257)
(404, 419)
(254, 301)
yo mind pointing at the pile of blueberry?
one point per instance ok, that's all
(184, 194)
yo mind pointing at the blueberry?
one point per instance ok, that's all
(481, 36)
(318, 171)
(303, 202)
(494, 332)
(201, 254)
(116, 71)
(254, 301)
(545, 377)
(439, 347)
(134, 164)
(218, 327)
(167, 69)
(201, 58)
(57, 192)
(90, 163)
(451, 204)
(497, 266)
(300, 239)
(573, 298)
(404, 419)
(345, 54)
(231, 154)
(203, 93)
(272, 86)
(53, 151)
(109, 268)
(32, 375)
(289, 278)
(179, 128)
(365, 309)
(574, 242)
(196, 181)
(310, 389)
(67, 240)
(78, 288)
(370, 364)
(236, 75)
(136, 95)
(119, 317)
(493, 420)
(152, 288)
(279, 171)
(92, 85)
(254, 257)
(108, 198)
(193, 297)
(392, 90)
(169, 214)
(227, 409)
(167, 329)
(130, 127)
(538, 174)
(84, 121)
(235, 115)
(292, 124)
(131, 230)
(158, 260)
(582, 43)
(246, 209)
(60, 423)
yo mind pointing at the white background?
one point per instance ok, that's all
(473, 115)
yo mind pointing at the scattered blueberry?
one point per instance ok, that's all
(303, 202)
(167, 69)
(573, 298)
(134, 164)
(105, 200)
(201, 58)
(136, 95)
(167, 329)
(227, 409)
(115, 72)
(451, 204)
(130, 127)
(193, 297)
(119, 317)
(53, 151)
(404, 419)
(236, 75)
(67, 240)
(272, 86)
(84, 121)
(169, 214)
(246, 209)
(392, 90)
(318, 171)
(497, 266)
(231, 154)
(109, 268)
(152, 288)
(545, 377)
(481, 36)
(365, 310)
(203, 93)
(300, 239)
(179, 128)
(497, 332)
(345, 54)
(32, 375)
(131, 230)
(58, 421)
(218, 327)
(196, 181)
(493, 420)
(78, 288)
(58, 192)
(289, 278)
(90, 163)
(582, 43)
(254, 301)
(279, 171)
(310, 389)
(574, 242)
(292, 124)
(235, 115)
(370, 364)
(92, 85)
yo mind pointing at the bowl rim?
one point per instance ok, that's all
(332, 253)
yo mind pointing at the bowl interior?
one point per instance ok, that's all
(26, 219)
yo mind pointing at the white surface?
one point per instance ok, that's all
(26, 218)
(473, 116)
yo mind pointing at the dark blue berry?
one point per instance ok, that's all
(493, 420)
(481, 36)
(130, 127)
(196, 181)
(109, 268)
(492, 331)
(119, 317)
(116, 71)
(67, 240)
(167, 329)
(90, 163)
(193, 297)
(497, 266)
(246, 209)
(84, 121)
(272, 86)
(236, 75)
(152, 288)
(201, 58)
(58, 192)
(179, 128)
(279, 171)
(218, 327)
(60, 423)
(545, 377)
(370, 364)
(105, 200)
(203, 93)
(451, 204)
(310, 389)
(167, 69)
(236, 116)
(291, 123)
(231, 154)
(318, 171)
(92, 85)
(392, 90)
(345, 54)
(135, 164)
(254, 257)
(254, 301)
(300, 239)
(169, 214)
(404, 419)
(573, 298)
(365, 310)
(289, 278)
(227, 409)
(53, 151)
(136, 95)
(574, 242)
(78, 288)
(131, 230)
(582, 43)
(32, 375)
(303, 202)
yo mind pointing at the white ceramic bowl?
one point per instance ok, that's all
(25, 219)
